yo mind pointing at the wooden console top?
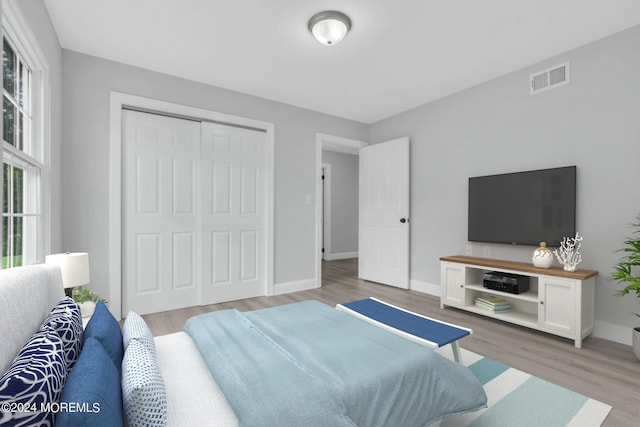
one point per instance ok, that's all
(520, 266)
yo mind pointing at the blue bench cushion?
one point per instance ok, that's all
(427, 329)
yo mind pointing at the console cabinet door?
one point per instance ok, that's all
(452, 283)
(557, 306)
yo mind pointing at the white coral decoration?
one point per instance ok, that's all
(568, 254)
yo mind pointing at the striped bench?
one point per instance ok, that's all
(415, 327)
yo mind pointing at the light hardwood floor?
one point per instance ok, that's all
(601, 369)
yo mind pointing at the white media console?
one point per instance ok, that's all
(557, 302)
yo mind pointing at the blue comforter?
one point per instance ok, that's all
(308, 364)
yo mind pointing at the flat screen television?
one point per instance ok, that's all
(523, 208)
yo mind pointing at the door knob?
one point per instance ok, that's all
(403, 220)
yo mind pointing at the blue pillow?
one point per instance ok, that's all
(34, 380)
(144, 396)
(105, 328)
(94, 384)
(135, 328)
(65, 319)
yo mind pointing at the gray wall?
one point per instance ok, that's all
(38, 20)
(491, 128)
(87, 82)
(344, 202)
(593, 122)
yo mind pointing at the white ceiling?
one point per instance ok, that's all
(398, 55)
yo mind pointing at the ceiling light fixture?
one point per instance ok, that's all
(329, 27)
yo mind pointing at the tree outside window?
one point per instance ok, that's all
(21, 216)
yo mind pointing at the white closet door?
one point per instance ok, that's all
(234, 231)
(160, 213)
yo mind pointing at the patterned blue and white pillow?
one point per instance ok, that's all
(144, 395)
(66, 320)
(136, 328)
(34, 380)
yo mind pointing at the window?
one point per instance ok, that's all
(23, 143)
(21, 218)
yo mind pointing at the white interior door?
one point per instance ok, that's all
(384, 213)
(160, 212)
(234, 221)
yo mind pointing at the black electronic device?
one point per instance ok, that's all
(505, 282)
(523, 208)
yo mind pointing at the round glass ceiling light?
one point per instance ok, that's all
(329, 27)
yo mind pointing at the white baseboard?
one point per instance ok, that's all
(612, 332)
(341, 255)
(295, 286)
(425, 287)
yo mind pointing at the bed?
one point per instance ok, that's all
(298, 364)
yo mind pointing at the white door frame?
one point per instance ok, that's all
(117, 102)
(326, 210)
(329, 143)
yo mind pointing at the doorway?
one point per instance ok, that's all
(329, 248)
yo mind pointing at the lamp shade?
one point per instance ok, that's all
(329, 27)
(74, 267)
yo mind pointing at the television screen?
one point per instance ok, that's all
(523, 208)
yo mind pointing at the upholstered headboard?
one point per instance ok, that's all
(27, 295)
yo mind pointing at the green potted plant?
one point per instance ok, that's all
(86, 300)
(627, 272)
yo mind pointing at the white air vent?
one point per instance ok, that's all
(550, 78)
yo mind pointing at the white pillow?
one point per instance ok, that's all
(135, 328)
(144, 396)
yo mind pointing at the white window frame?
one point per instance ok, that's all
(23, 40)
